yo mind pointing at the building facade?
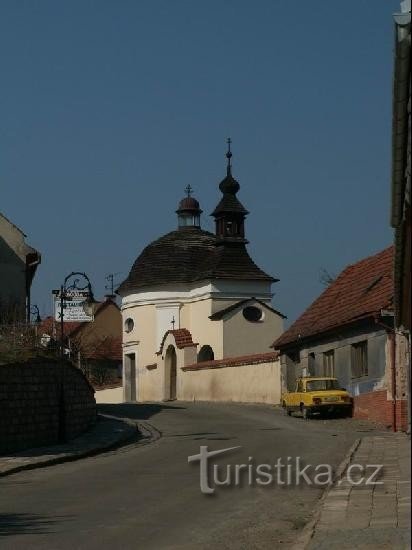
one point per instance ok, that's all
(98, 341)
(401, 178)
(194, 299)
(349, 333)
(18, 265)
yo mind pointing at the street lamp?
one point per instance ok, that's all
(76, 284)
(70, 286)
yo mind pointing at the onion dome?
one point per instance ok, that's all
(188, 211)
(230, 213)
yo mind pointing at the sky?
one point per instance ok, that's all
(109, 109)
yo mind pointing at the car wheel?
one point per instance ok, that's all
(348, 413)
(305, 412)
(286, 410)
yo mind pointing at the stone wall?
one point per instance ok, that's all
(43, 402)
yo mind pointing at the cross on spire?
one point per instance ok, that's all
(189, 190)
(173, 322)
(229, 156)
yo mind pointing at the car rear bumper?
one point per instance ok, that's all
(330, 407)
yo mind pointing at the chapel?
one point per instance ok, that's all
(197, 316)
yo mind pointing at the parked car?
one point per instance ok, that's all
(317, 395)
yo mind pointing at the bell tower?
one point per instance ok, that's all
(230, 213)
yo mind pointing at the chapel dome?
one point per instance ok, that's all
(188, 203)
(173, 258)
(186, 256)
(190, 254)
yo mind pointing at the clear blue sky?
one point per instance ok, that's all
(109, 109)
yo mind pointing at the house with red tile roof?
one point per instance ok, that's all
(348, 332)
(89, 343)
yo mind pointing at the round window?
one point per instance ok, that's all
(253, 314)
(129, 325)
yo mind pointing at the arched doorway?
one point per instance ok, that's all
(170, 373)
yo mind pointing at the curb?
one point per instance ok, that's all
(148, 435)
(309, 529)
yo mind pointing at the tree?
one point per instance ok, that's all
(325, 277)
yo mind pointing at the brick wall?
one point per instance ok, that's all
(41, 402)
(375, 406)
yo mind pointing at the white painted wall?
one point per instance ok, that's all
(110, 395)
(153, 310)
(246, 384)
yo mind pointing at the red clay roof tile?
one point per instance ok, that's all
(360, 291)
(182, 336)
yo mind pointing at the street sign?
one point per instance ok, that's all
(72, 306)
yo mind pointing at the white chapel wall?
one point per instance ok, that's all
(242, 337)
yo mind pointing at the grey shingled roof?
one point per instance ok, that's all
(189, 255)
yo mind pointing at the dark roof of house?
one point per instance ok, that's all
(362, 290)
(188, 255)
(221, 313)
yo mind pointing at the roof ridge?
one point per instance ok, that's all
(345, 299)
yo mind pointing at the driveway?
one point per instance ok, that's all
(149, 496)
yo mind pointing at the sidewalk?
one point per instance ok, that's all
(107, 434)
(369, 516)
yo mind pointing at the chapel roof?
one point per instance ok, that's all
(189, 255)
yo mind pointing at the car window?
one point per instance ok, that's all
(322, 385)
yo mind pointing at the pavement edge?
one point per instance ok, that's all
(149, 434)
(309, 529)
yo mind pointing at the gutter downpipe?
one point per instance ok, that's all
(392, 339)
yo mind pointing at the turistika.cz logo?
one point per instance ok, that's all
(283, 472)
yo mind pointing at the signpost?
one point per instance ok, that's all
(73, 306)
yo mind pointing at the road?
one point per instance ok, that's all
(148, 496)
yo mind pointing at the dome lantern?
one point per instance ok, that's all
(188, 212)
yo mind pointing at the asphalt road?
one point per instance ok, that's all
(149, 496)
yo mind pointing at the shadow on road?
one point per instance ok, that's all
(135, 411)
(26, 524)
